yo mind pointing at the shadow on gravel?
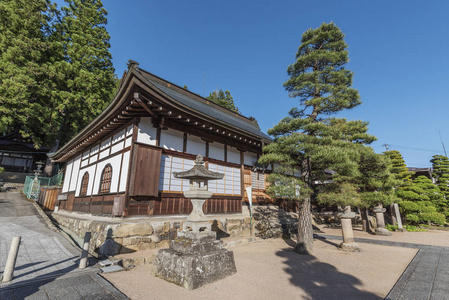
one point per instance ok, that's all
(321, 280)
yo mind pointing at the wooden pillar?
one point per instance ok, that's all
(132, 162)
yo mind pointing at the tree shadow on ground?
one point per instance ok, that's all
(321, 280)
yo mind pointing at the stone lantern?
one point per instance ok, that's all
(348, 244)
(196, 257)
(198, 177)
(379, 211)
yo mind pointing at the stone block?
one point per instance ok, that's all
(110, 247)
(155, 238)
(139, 229)
(233, 225)
(158, 229)
(193, 271)
(163, 244)
(166, 227)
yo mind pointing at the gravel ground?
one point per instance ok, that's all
(269, 269)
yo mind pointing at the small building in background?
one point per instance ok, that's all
(18, 155)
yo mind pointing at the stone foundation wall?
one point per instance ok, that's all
(125, 236)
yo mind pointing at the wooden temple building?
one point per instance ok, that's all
(121, 164)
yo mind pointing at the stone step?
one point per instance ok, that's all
(110, 262)
(111, 269)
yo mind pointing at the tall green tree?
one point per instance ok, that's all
(399, 168)
(88, 81)
(440, 166)
(223, 99)
(308, 139)
(28, 94)
(56, 72)
(420, 202)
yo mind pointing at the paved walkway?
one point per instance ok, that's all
(47, 264)
(427, 275)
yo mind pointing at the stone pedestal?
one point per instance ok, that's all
(380, 230)
(193, 260)
(346, 227)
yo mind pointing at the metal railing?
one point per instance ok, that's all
(32, 184)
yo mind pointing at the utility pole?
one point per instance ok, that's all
(442, 143)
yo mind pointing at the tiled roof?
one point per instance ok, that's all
(210, 111)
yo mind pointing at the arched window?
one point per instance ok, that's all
(105, 182)
(84, 184)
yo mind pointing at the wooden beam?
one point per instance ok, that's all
(137, 97)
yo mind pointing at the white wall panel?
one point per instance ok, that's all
(84, 163)
(250, 159)
(86, 154)
(118, 136)
(115, 163)
(128, 142)
(129, 130)
(94, 150)
(67, 173)
(105, 144)
(124, 175)
(164, 176)
(171, 139)
(104, 153)
(233, 155)
(91, 171)
(216, 151)
(117, 147)
(75, 173)
(196, 145)
(146, 133)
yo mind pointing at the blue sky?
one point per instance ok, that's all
(398, 52)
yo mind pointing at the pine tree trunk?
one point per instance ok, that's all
(365, 222)
(305, 230)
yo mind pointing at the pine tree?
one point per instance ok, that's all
(440, 166)
(309, 141)
(421, 200)
(399, 168)
(223, 99)
(88, 82)
(28, 96)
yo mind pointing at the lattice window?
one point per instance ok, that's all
(106, 175)
(84, 184)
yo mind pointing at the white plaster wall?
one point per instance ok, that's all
(75, 173)
(146, 133)
(216, 151)
(129, 129)
(67, 173)
(91, 171)
(250, 159)
(104, 153)
(233, 155)
(196, 145)
(124, 176)
(171, 139)
(86, 154)
(115, 162)
(106, 143)
(84, 163)
(117, 147)
(118, 136)
(164, 175)
(94, 150)
(128, 142)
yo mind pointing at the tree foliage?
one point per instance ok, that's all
(399, 168)
(55, 68)
(223, 99)
(309, 139)
(440, 166)
(422, 202)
